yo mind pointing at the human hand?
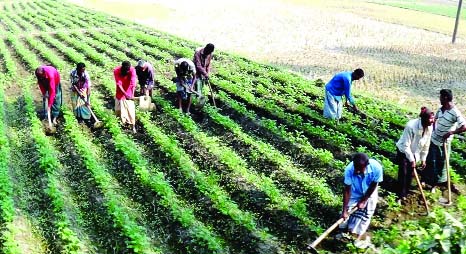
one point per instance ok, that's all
(413, 164)
(344, 214)
(362, 204)
(423, 165)
(447, 135)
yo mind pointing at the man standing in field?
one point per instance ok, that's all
(201, 59)
(448, 121)
(361, 179)
(48, 80)
(413, 147)
(185, 78)
(338, 86)
(145, 73)
(125, 78)
(80, 92)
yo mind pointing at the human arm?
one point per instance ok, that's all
(406, 140)
(52, 89)
(346, 198)
(362, 202)
(425, 147)
(461, 129)
(347, 90)
(132, 84)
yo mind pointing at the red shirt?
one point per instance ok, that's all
(50, 83)
(128, 82)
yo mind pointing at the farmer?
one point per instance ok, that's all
(413, 147)
(361, 179)
(48, 80)
(338, 86)
(80, 92)
(448, 121)
(201, 59)
(125, 78)
(185, 78)
(145, 73)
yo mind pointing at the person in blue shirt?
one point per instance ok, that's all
(338, 86)
(361, 178)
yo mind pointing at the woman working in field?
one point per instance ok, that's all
(125, 79)
(81, 92)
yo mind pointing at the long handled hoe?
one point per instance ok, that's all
(49, 128)
(98, 123)
(327, 232)
(211, 93)
(447, 202)
(422, 191)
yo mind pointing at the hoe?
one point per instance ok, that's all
(98, 123)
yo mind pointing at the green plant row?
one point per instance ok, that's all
(10, 25)
(59, 16)
(233, 161)
(156, 181)
(339, 140)
(25, 26)
(239, 170)
(89, 51)
(10, 67)
(26, 55)
(123, 217)
(314, 185)
(7, 206)
(207, 185)
(139, 241)
(29, 16)
(49, 163)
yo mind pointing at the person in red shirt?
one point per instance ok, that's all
(125, 79)
(48, 80)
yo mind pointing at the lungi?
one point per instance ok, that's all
(333, 106)
(359, 221)
(126, 110)
(80, 109)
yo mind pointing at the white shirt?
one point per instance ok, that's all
(413, 143)
(446, 121)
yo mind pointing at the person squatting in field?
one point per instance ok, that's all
(338, 86)
(48, 80)
(413, 147)
(185, 78)
(361, 179)
(146, 75)
(448, 121)
(80, 92)
(125, 79)
(202, 58)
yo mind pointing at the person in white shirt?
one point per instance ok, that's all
(413, 147)
(448, 121)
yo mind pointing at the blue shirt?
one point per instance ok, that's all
(360, 183)
(340, 85)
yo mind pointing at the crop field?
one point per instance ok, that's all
(259, 173)
(405, 52)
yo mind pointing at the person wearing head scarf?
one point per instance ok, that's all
(413, 147)
(146, 75)
(80, 92)
(185, 78)
(125, 79)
